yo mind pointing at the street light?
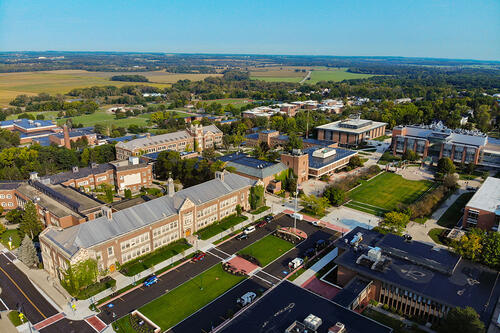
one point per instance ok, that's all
(295, 213)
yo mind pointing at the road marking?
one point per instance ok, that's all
(215, 248)
(5, 305)
(272, 284)
(17, 286)
(270, 275)
(7, 257)
(216, 255)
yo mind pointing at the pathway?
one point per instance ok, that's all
(308, 75)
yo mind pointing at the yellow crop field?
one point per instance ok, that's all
(62, 81)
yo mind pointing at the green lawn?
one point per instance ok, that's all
(145, 262)
(366, 208)
(123, 325)
(267, 249)
(450, 218)
(434, 235)
(16, 240)
(335, 75)
(387, 190)
(14, 318)
(169, 309)
(218, 227)
(236, 102)
(259, 210)
(102, 117)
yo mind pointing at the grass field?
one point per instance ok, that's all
(450, 218)
(16, 240)
(267, 249)
(62, 81)
(317, 74)
(434, 234)
(169, 309)
(386, 191)
(236, 102)
(335, 75)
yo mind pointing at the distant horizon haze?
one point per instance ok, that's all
(439, 29)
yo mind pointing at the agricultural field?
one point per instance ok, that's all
(335, 75)
(62, 81)
(237, 102)
(385, 192)
(289, 74)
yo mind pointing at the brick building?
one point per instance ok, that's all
(436, 141)
(483, 209)
(413, 277)
(128, 174)
(8, 194)
(351, 132)
(196, 137)
(124, 235)
(273, 138)
(30, 130)
(67, 136)
(316, 162)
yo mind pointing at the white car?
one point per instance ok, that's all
(246, 299)
(295, 263)
(249, 230)
(296, 216)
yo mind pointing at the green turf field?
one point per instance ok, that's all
(267, 249)
(169, 309)
(386, 191)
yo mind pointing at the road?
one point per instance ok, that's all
(308, 75)
(19, 293)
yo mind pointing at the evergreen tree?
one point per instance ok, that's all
(463, 320)
(27, 252)
(30, 223)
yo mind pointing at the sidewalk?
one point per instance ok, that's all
(311, 271)
(5, 325)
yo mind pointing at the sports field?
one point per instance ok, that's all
(62, 81)
(267, 249)
(169, 309)
(384, 193)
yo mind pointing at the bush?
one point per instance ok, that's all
(335, 195)
(385, 307)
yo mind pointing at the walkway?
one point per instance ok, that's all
(308, 75)
(316, 267)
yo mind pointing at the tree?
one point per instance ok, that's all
(256, 196)
(294, 142)
(14, 216)
(395, 221)
(410, 155)
(491, 250)
(238, 209)
(355, 162)
(463, 320)
(27, 252)
(446, 166)
(30, 222)
(80, 275)
(128, 193)
(470, 245)
(317, 205)
(450, 181)
(335, 195)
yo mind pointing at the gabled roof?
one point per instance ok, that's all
(130, 219)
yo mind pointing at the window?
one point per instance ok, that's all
(4, 204)
(2, 196)
(11, 204)
(110, 251)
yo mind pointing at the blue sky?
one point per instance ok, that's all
(421, 28)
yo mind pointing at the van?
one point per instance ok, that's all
(296, 216)
(249, 229)
(246, 299)
(295, 263)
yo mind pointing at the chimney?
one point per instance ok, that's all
(170, 187)
(219, 175)
(34, 175)
(75, 169)
(67, 141)
(107, 212)
(93, 165)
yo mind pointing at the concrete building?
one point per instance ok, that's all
(351, 132)
(413, 277)
(129, 174)
(255, 169)
(316, 162)
(483, 209)
(129, 233)
(196, 136)
(273, 138)
(30, 130)
(436, 141)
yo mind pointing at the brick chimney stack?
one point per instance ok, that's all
(67, 141)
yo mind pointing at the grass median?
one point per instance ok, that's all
(169, 309)
(221, 226)
(450, 218)
(267, 249)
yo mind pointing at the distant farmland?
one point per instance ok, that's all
(62, 81)
(287, 74)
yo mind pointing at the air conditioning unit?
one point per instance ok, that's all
(337, 328)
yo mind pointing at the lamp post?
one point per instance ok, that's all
(295, 212)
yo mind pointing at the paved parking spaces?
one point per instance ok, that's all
(347, 218)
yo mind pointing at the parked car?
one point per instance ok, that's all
(261, 224)
(242, 236)
(199, 256)
(316, 223)
(150, 280)
(246, 299)
(310, 252)
(296, 216)
(320, 243)
(249, 229)
(268, 218)
(295, 263)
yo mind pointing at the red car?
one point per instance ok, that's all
(199, 256)
(261, 224)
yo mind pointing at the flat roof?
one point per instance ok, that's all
(352, 125)
(348, 295)
(276, 311)
(468, 285)
(318, 163)
(253, 166)
(487, 197)
(27, 123)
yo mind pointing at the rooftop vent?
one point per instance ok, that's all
(313, 322)
(75, 169)
(337, 328)
(357, 239)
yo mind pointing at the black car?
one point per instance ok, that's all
(321, 243)
(242, 236)
(310, 252)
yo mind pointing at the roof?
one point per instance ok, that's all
(352, 125)
(130, 219)
(27, 123)
(416, 269)
(211, 128)
(9, 185)
(349, 293)
(276, 311)
(253, 166)
(439, 132)
(125, 138)
(153, 140)
(81, 173)
(318, 163)
(77, 132)
(487, 197)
